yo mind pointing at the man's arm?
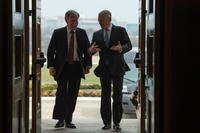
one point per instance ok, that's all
(93, 47)
(51, 51)
(126, 43)
(87, 57)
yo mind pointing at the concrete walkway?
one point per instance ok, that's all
(86, 117)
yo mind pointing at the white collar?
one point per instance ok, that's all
(68, 30)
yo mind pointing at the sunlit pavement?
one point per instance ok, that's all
(86, 117)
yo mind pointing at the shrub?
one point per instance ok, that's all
(89, 93)
(85, 90)
(93, 86)
(53, 86)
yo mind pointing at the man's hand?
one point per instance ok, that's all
(117, 47)
(52, 71)
(94, 48)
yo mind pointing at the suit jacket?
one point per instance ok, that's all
(57, 50)
(117, 65)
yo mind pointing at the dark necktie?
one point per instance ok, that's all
(70, 53)
(106, 38)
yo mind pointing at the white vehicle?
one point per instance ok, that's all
(130, 82)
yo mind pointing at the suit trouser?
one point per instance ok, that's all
(105, 110)
(67, 92)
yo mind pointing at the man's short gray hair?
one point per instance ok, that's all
(105, 13)
(71, 13)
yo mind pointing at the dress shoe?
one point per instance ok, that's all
(106, 126)
(70, 125)
(116, 127)
(59, 124)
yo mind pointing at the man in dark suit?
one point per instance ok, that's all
(68, 61)
(111, 42)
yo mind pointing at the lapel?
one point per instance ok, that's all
(65, 41)
(112, 35)
(101, 35)
(101, 39)
(78, 39)
(78, 36)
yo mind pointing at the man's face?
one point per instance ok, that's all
(72, 22)
(104, 21)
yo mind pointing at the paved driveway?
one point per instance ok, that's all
(86, 117)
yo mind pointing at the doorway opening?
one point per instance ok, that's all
(52, 17)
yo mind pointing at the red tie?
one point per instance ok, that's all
(70, 53)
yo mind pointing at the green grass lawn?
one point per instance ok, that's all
(90, 78)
